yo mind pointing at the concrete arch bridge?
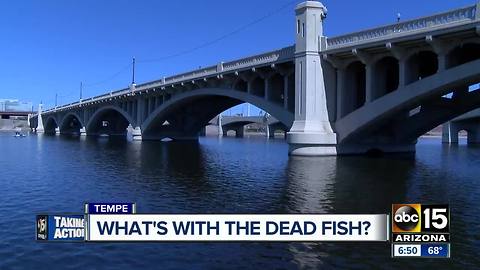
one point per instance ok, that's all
(377, 89)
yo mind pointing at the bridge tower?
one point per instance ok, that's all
(40, 128)
(311, 133)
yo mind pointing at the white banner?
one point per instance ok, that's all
(255, 227)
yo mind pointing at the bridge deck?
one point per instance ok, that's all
(442, 21)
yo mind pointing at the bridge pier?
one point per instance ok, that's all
(449, 133)
(57, 131)
(134, 133)
(473, 136)
(83, 131)
(220, 127)
(137, 134)
(203, 131)
(271, 131)
(28, 121)
(39, 128)
(311, 133)
(239, 131)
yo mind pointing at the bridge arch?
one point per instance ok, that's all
(378, 122)
(71, 124)
(232, 132)
(460, 131)
(110, 120)
(275, 127)
(51, 125)
(187, 113)
(238, 127)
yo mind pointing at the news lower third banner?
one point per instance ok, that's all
(236, 227)
(414, 230)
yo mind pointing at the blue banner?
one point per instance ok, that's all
(64, 228)
(436, 250)
(110, 208)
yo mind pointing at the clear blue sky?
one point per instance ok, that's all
(50, 46)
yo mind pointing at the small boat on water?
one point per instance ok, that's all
(19, 135)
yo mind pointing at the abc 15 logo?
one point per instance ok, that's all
(417, 218)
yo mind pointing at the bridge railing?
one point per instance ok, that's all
(445, 19)
(270, 57)
(256, 60)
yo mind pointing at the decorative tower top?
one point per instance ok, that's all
(309, 27)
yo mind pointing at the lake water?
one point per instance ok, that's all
(58, 174)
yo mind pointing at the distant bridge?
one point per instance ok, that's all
(377, 89)
(7, 114)
(238, 123)
(469, 122)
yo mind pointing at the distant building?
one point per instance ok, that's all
(14, 109)
(15, 105)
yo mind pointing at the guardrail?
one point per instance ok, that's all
(457, 16)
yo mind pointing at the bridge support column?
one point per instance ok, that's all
(402, 76)
(83, 131)
(271, 131)
(341, 93)
(311, 133)
(442, 61)
(57, 131)
(473, 136)
(240, 132)
(203, 131)
(369, 88)
(285, 92)
(449, 133)
(28, 121)
(40, 128)
(137, 134)
(134, 133)
(220, 127)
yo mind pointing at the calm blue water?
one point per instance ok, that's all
(58, 174)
